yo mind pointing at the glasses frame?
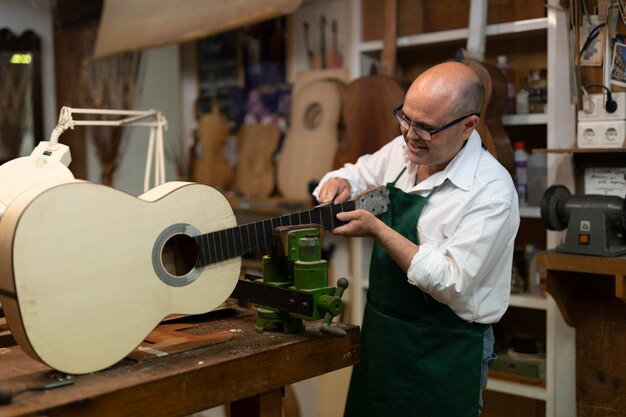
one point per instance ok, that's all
(401, 118)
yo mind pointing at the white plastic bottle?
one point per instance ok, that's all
(521, 172)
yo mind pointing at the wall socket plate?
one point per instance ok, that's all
(594, 105)
(601, 134)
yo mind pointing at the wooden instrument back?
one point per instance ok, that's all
(309, 148)
(255, 173)
(490, 127)
(208, 163)
(368, 102)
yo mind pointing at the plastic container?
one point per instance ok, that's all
(509, 74)
(521, 172)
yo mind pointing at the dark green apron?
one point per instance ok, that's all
(418, 358)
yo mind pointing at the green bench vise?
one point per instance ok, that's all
(294, 285)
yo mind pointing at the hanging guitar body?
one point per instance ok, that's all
(255, 174)
(490, 127)
(368, 102)
(208, 163)
(367, 113)
(309, 148)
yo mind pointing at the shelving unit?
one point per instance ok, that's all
(557, 126)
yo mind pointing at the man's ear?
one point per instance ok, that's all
(469, 125)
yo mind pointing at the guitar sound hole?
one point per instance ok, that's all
(313, 116)
(179, 255)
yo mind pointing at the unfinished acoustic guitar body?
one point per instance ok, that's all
(309, 148)
(209, 164)
(369, 123)
(369, 101)
(255, 173)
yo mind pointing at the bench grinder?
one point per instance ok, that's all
(595, 223)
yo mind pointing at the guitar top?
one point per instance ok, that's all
(87, 271)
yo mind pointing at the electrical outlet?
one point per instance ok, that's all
(593, 108)
(601, 134)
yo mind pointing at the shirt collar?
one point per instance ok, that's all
(461, 169)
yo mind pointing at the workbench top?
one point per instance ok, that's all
(246, 366)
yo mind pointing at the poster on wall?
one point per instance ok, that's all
(618, 67)
(320, 35)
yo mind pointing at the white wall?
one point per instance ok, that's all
(22, 15)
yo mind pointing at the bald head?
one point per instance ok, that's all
(451, 85)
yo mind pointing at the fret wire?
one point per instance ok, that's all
(205, 243)
(249, 242)
(203, 250)
(336, 208)
(218, 245)
(221, 245)
(213, 246)
(315, 215)
(256, 237)
(220, 235)
(309, 213)
(231, 243)
(268, 230)
(234, 253)
(211, 254)
(259, 233)
(245, 239)
(240, 240)
(199, 249)
(322, 211)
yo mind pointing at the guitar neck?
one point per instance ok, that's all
(236, 241)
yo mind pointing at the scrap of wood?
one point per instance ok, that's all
(170, 338)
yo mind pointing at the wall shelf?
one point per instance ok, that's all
(445, 36)
(524, 119)
(516, 388)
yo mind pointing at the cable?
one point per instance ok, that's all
(610, 105)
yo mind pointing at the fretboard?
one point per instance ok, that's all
(228, 243)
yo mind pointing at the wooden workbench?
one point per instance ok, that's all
(248, 371)
(589, 291)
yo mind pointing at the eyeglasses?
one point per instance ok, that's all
(422, 132)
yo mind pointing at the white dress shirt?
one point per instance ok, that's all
(466, 230)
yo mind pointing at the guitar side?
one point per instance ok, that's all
(87, 271)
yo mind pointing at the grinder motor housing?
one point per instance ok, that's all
(595, 223)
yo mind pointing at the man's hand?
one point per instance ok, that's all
(361, 223)
(335, 190)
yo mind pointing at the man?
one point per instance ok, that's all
(441, 266)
